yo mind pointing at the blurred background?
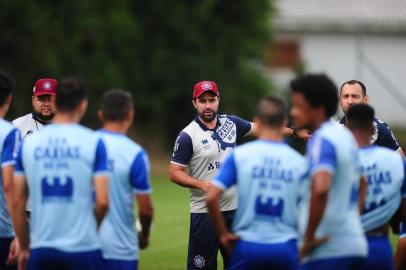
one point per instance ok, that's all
(159, 49)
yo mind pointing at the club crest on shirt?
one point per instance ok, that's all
(199, 261)
(226, 133)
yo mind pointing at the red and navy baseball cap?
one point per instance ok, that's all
(205, 86)
(45, 86)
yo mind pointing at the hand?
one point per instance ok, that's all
(13, 253)
(205, 185)
(228, 240)
(23, 259)
(143, 240)
(303, 134)
(309, 245)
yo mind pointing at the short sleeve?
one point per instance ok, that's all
(386, 137)
(322, 156)
(140, 174)
(402, 230)
(100, 162)
(183, 149)
(227, 175)
(10, 147)
(243, 126)
(404, 179)
(19, 166)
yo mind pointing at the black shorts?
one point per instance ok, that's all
(204, 243)
(4, 250)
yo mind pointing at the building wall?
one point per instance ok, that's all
(377, 60)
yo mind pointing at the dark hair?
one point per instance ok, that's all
(115, 104)
(70, 93)
(352, 82)
(319, 90)
(271, 111)
(6, 86)
(360, 116)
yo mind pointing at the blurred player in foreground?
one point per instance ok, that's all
(385, 172)
(61, 168)
(267, 173)
(9, 140)
(129, 176)
(330, 222)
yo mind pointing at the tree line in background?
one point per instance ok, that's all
(155, 49)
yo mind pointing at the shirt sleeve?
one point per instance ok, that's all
(19, 167)
(140, 174)
(404, 179)
(243, 126)
(402, 230)
(183, 149)
(10, 147)
(322, 156)
(100, 162)
(386, 137)
(227, 175)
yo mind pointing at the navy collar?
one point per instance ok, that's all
(36, 118)
(204, 127)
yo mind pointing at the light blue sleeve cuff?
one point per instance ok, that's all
(219, 184)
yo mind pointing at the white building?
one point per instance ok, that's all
(346, 39)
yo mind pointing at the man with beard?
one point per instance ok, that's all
(43, 104)
(199, 151)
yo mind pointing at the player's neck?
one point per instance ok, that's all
(118, 127)
(361, 138)
(318, 122)
(3, 112)
(67, 118)
(270, 135)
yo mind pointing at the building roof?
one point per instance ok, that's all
(383, 16)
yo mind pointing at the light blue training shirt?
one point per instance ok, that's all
(9, 142)
(129, 175)
(267, 175)
(332, 148)
(384, 170)
(59, 163)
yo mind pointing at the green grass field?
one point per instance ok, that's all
(170, 232)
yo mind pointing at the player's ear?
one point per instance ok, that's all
(130, 115)
(194, 102)
(366, 98)
(82, 107)
(100, 114)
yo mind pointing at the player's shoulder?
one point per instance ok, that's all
(6, 128)
(381, 153)
(118, 141)
(234, 118)
(22, 120)
(192, 129)
(4, 124)
(382, 126)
